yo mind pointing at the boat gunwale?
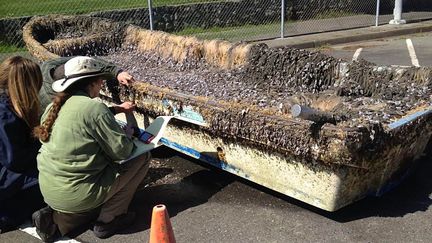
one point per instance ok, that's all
(343, 133)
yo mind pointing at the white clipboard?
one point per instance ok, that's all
(156, 128)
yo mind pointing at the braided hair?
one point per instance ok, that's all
(43, 131)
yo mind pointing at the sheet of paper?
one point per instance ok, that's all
(157, 128)
(140, 148)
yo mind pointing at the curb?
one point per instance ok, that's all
(348, 36)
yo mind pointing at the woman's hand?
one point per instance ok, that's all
(125, 78)
(125, 107)
(129, 131)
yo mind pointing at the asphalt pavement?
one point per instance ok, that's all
(350, 35)
(388, 51)
(208, 205)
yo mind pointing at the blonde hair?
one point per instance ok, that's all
(23, 79)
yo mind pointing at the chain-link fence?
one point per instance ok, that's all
(315, 16)
(234, 20)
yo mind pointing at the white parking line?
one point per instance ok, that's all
(357, 54)
(412, 53)
(27, 228)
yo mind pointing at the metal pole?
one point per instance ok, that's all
(150, 13)
(377, 13)
(282, 30)
(397, 12)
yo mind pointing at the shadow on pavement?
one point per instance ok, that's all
(163, 152)
(191, 191)
(153, 174)
(414, 194)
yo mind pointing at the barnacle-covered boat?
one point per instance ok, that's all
(249, 106)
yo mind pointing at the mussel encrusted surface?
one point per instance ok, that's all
(279, 78)
(361, 96)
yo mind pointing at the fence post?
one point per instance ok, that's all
(150, 8)
(397, 12)
(377, 13)
(282, 30)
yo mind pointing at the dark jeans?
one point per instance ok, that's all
(70, 222)
(16, 210)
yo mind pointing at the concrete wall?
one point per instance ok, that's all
(417, 5)
(236, 13)
(11, 30)
(202, 15)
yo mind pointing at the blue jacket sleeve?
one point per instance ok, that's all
(18, 150)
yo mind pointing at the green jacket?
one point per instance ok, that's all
(46, 93)
(78, 165)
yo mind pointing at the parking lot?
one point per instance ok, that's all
(209, 205)
(412, 50)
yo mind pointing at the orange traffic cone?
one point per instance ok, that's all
(161, 229)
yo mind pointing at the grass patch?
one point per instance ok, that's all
(18, 8)
(8, 48)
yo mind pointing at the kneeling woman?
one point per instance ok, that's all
(80, 177)
(20, 81)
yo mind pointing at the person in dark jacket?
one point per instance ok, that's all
(20, 82)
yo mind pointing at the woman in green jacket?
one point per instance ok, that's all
(80, 175)
(54, 69)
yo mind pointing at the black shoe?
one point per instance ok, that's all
(7, 224)
(44, 223)
(102, 230)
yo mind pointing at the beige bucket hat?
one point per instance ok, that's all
(78, 68)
